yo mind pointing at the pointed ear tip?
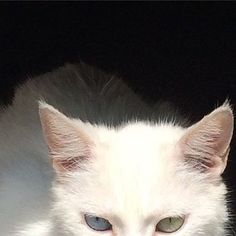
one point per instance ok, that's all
(224, 115)
(43, 106)
(225, 108)
(46, 109)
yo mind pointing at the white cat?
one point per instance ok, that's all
(115, 166)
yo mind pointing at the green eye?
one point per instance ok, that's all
(97, 223)
(170, 224)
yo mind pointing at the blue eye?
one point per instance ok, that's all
(97, 223)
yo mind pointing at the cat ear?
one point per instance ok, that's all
(205, 145)
(67, 142)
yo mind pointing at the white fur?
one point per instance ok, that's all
(136, 177)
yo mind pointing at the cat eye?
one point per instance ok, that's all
(97, 223)
(170, 224)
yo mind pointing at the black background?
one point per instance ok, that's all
(184, 52)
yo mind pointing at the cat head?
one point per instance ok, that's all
(139, 179)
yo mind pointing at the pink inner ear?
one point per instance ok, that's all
(206, 144)
(201, 149)
(69, 164)
(68, 142)
(69, 152)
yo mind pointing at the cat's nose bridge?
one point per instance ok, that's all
(136, 231)
(138, 234)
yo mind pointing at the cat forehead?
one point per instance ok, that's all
(137, 150)
(134, 134)
(134, 167)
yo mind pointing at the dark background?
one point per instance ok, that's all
(184, 52)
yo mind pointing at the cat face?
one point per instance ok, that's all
(139, 179)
